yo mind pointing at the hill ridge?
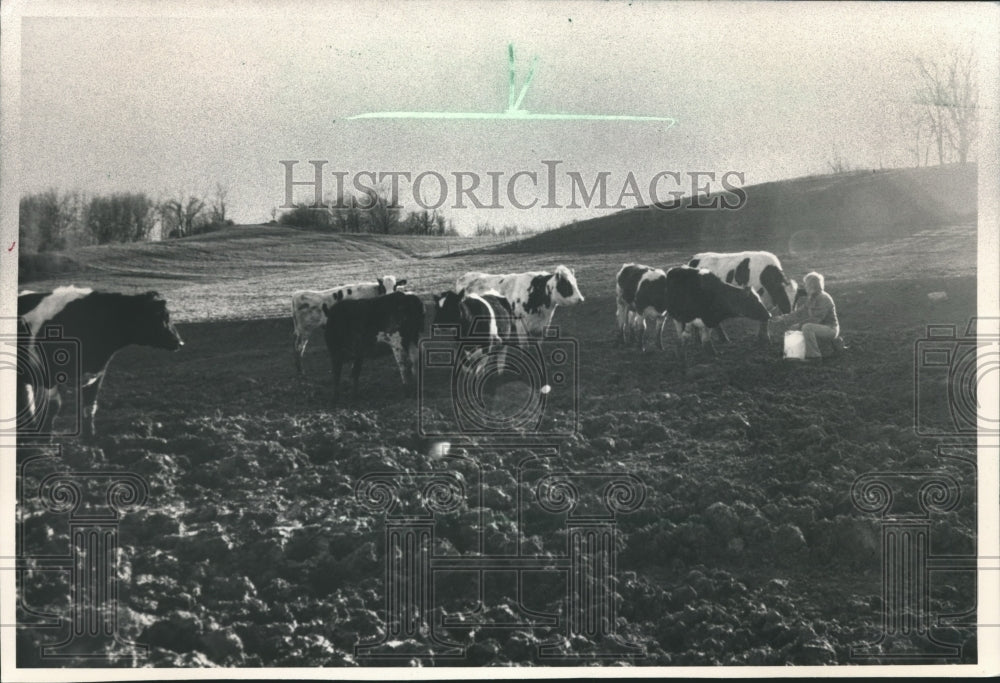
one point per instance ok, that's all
(806, 212)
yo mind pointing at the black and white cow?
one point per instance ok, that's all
(103, 322)
(642, 293)
(758, 270)
(307, 308)
(533, 296)
(355, 326)
(485, 323)
(697, 297)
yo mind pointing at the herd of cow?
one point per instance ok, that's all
(488, 312)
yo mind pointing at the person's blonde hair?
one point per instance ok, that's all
(815, 277)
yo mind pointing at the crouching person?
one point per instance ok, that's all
(817, 315)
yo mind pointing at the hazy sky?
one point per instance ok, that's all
(171, 103)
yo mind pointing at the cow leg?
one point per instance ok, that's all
(681, 355)
(298, 349)
(706, 337)
(336, 364)
(89, 398)
(53, 400)
(413, 354)
(25, 405)
(356, 375)
(722, 334)
(763, 334)
(622, 318)
(399, 353)
(661, 322)
(642, 343)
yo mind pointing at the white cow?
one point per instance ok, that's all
(533, 296)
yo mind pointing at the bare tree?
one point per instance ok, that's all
(948, 95)
(217, 212)
(838, 164)
(382, 213)
(120, 217)
(180, 215)
(345, 216)
(47, 220)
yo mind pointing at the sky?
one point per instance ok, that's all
(202, 94)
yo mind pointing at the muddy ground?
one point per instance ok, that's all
(253, 550)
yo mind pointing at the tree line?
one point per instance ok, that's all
(54, 221)
(374, 213)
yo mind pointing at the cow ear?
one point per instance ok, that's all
(400, 283)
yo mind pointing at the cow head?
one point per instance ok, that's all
(389, 284)
(782, 290)
(793, 292)
(565, 291)
(446, 308)
(151, 323)
(800, 293)
(452, 309)
(746, 303)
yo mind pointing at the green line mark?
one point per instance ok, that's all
(514, 111)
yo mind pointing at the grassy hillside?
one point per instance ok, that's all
(249, 271)
(802, 213)
(235, 252)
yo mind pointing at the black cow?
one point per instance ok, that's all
(485, 322)
(758, 270)
(103, 323)
(642, 293)
(698, 297)
(355, 326)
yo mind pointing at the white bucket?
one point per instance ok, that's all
(795, 345)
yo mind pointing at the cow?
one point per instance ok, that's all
(758, 270)
(103, 323)
(485, 323)
(533, 296)
(700, 298)
(641, 292)
(307, 308)
(355, 326)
